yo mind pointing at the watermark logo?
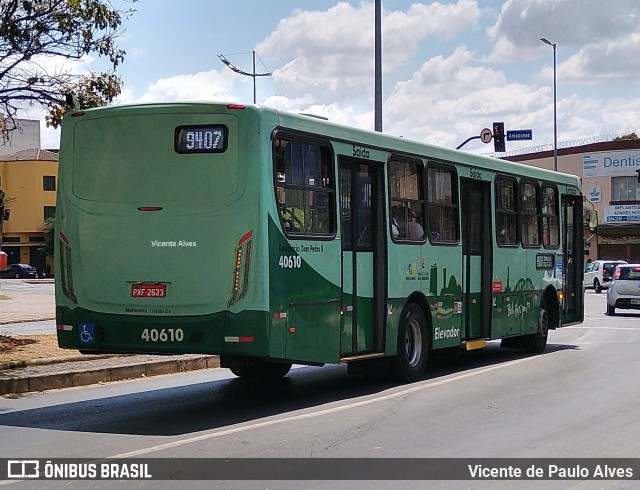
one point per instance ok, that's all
(23, 468)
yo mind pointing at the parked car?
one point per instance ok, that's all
(624, 291)
(598, 274)
(19, 271)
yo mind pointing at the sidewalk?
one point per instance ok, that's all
(80, 370)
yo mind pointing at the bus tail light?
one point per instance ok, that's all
(66, 272)
(241, 269)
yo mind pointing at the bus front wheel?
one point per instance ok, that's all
(413, 345)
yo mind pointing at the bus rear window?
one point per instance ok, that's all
(154, 158)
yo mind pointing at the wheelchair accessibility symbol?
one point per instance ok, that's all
(86, 333)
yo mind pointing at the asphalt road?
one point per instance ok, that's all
(579, 399)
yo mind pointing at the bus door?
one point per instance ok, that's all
(477, 258)
(362, 226)
(572, 259)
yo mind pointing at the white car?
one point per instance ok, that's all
(624, 291)
(597, 274)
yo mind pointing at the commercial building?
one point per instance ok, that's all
(28, 179)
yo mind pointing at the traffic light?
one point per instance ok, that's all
(498, 137)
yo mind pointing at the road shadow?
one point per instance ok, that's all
(222, 403)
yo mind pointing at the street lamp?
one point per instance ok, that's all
(378, 67)
(246, 73)
(555, 113)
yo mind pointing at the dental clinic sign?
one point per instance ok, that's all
(622, 213)
(610, 163)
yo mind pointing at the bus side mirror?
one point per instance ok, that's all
(593, 219)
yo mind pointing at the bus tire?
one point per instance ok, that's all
(537, 342)
(413, 345)
(261, 370)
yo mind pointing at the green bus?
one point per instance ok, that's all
(273, 239)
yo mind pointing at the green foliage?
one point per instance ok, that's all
(49, 234)
(624, 137)
(70, 29)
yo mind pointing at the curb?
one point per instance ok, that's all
(16, 383)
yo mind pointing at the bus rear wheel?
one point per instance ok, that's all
(258, 369)
(413, 345)
(537, 342)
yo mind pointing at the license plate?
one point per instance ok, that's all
(141, 290)
(635, 301)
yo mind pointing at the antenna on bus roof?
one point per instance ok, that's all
(314, 115)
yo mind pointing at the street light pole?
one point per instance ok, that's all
(555, 113)
(378, 67)
(253, 74)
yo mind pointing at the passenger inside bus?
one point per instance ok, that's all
(414, 229)
(405, 224)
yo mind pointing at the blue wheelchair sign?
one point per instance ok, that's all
(86, 333)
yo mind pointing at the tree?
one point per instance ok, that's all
(69, 29)
(49, 236)
(4, 212)
(630, 136)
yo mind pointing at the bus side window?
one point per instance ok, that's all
(530, 214)
(406, 191)
(304, 183)
(506, 211)
(442, 196)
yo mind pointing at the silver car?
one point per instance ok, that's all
(624, 291)
(598, 274)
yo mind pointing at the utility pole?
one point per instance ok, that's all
(378, 66)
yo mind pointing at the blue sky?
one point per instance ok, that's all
(450, 68)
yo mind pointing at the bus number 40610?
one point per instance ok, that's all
(290, 262)
(162, 335)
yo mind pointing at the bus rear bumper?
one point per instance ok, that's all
(217, 333)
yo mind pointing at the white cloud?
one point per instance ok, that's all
(568, 23)
(614, 61)
(207, 85)
(450, 99)
(330, 53)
